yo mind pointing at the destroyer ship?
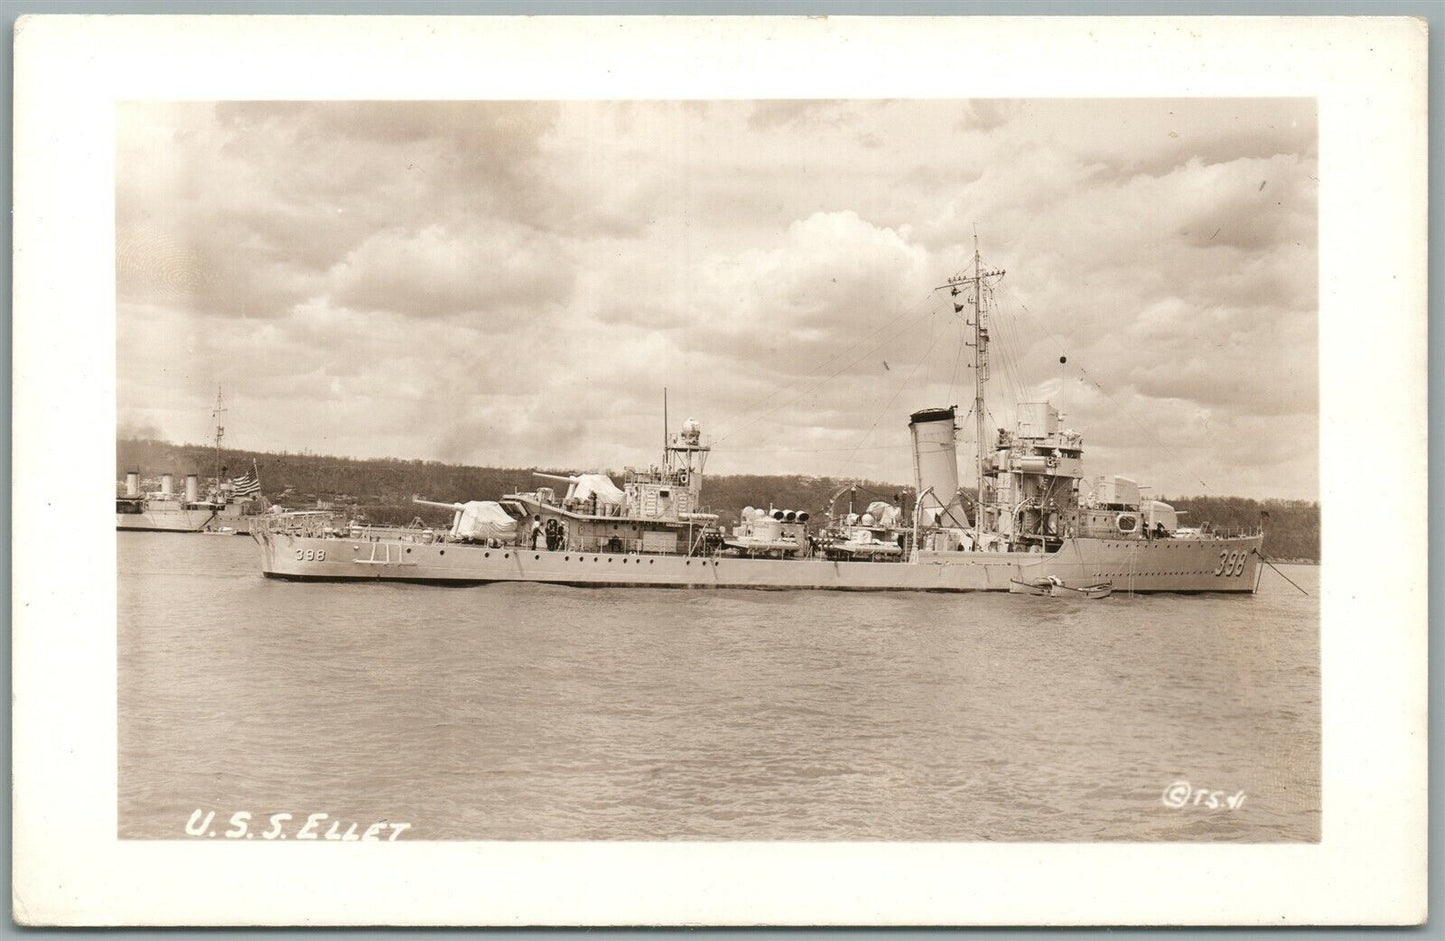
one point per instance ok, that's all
(1035, 524)
(226, 505)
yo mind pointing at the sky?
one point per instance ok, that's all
(515, 283)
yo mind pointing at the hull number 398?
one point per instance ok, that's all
(1231, 563)
(319, 555)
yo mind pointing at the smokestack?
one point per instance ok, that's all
(167, 483)
(132, 483)
(193, 488)
(935, 464)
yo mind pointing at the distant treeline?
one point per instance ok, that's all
(1291, 531)
(382, 488)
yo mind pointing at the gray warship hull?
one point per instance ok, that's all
(1158, 565)
(174, 516)
(166, 520)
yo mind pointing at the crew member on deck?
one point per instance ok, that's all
(536, 530)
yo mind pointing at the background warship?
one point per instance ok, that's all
(227, 501)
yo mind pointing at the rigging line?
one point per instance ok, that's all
(1277, 571)
(1016, 363)
(1053, 334)
(957, 358)
(1014, 345)
(1007, 341)
(1060, 348)
(1130, 415)
(904, 311)
(928, 350)
(816, 385)
(877, 447)
(1008, 377)
(876, 493)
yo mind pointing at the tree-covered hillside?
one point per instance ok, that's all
(1291, 528)
(381, 488)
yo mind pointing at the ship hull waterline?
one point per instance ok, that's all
(1206, 565)
(176, 521)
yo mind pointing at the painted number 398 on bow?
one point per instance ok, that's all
(319, 555)
(1230, 563)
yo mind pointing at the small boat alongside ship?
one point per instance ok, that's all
(1053, 586)
(1036, 524)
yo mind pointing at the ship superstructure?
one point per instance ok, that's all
(1034, 523)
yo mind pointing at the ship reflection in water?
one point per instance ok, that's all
(543, 712)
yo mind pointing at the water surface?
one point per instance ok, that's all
(535, 712)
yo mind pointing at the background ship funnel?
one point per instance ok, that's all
(132, 483)
(935, 464)
(167, 485)
(193, 488)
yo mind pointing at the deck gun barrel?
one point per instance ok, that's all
(440, 506)
(562, 477)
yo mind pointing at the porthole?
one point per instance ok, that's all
(485, 555)
(506, 555)
(536, 557)
(442, 552)
(650, 561)
(408, 550)
(566, 558)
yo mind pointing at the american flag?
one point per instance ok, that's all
(247, 485)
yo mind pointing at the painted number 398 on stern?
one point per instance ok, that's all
(244, 826)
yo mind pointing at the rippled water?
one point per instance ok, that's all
(523, 712)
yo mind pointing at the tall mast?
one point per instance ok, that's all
(980, 370)
(218, 414)
(664, 428)
(980, 376)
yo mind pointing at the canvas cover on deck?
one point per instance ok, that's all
(607, 492)
(886, 514)
(483, 519)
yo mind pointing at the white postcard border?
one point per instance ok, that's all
(1368, 76)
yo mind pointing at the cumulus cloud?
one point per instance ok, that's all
(515, 282)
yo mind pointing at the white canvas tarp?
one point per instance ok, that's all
(483, 519)
(607, 492)
(884, 514)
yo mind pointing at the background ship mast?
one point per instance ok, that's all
(218, 415)
(980, 368)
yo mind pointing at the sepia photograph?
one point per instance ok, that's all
(580, 479)
(1038, 376)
